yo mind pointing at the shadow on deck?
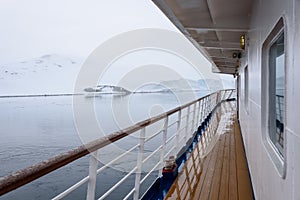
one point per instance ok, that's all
(222, 171)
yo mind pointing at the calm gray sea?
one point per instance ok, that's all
(36, 128)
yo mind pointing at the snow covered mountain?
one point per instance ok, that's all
(153, 88)
(48, 74)
(56, 74)
(188, 85)
(184, 85)
(172, 85)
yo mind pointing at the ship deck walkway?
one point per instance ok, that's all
(222, 172)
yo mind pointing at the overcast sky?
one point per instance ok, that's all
(30, 28)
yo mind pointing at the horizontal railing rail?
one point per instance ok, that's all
(189, 117)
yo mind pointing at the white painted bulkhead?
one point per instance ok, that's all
(268, 182)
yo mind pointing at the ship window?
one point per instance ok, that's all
(273, 95)
(246, 89)
(276, 92)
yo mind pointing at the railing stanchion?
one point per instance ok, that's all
(209, 103)
(92, 176)
(198, 115)
(187, 125)
(201, 111)
(177, 132)
(164, 141)
(223, 95)
(230, 94)
(139, 165)
(193, 119)
(205, 107)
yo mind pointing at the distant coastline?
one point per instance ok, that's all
(96, 93)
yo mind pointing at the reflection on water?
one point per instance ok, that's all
(34, 129)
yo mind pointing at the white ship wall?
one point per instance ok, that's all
(267, 181)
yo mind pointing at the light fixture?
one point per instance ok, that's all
(242, 42)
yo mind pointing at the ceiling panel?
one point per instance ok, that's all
(215, 25)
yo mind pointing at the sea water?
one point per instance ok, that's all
(34, 129)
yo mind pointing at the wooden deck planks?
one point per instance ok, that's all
(233, 195)
(208, 178)
(224, 173)
(224, 185)
(201, 178)
(243, 180)
(216, 179)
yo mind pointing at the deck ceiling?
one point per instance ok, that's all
(213, 26)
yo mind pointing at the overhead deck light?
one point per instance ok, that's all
(242, 42)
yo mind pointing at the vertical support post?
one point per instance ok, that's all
(224, 94)
(163, 148)
(220, 95)
(187, 124)
(209, 104)
(92, 176)
(177, 131)
(216, 99)
(198, 115)
(139, 164)
(205, 108)
(230, 94)
(202, 110)
(193, 119)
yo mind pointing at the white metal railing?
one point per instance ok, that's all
(179, 126)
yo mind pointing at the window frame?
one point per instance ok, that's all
(278, 158)
(246, 88)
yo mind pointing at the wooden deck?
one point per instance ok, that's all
(221, 173)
